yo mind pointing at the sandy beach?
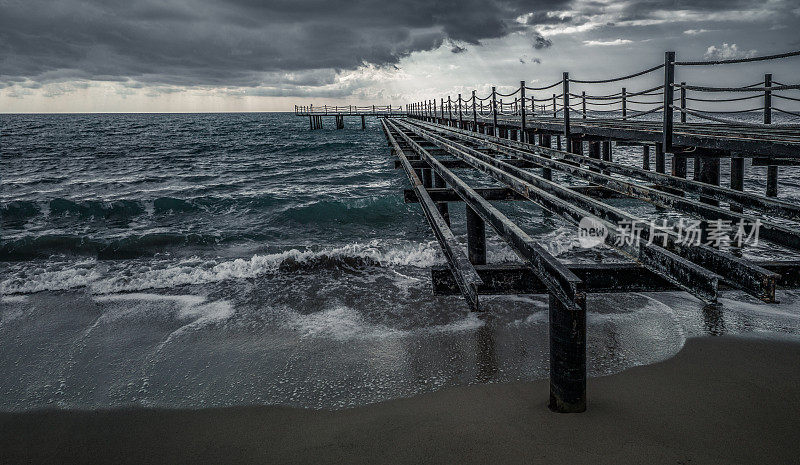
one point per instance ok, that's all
(720, 400)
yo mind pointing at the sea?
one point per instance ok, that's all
(199, 260)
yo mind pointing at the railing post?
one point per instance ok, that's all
(460, 116)
(772, 170)
(555, 109)
(449, 111)
(583, 103)
(434, 110)
(474, 113)
(565, 88)
(683, 102)
(624, 104)
(494, 111)
(523, 124)
(669, 80)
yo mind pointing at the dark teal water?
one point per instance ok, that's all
(223, 259)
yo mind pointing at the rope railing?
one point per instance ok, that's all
(621, 78)
(545, 87)
(786, 112)
(582, 104)
(738, 60)
(736, 89)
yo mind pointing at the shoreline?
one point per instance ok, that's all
(728, 399)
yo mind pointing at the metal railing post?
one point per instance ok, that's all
(772, 170)
(624, 103)
(683, 102)
(494, 111)
(565, 88)
(460, 117)
(523, 124)
(583, 103)
(474, 113)
(669, 80)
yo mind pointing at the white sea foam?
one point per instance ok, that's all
(341, 323)
(135, 276)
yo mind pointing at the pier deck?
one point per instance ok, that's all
(520, 144)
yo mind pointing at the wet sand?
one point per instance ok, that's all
(720, 400)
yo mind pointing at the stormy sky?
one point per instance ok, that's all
(250, 55)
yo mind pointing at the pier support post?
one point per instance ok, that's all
(427, 181)
(546, 141)
(363, 123)
(737, 179)
(594, 152)
(709, 174)
(443, 208)
(576, 144)
(606, 152)
(567, 357)
(646, 157)
(678, 166)
(476, 238)
(660, 165)
(772, 181)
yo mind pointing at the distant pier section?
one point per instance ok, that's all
(316, 113)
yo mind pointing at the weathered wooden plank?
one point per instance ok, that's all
(753, 279)
(694, 279)
(598, 278)
(559, 280)
(463, 271)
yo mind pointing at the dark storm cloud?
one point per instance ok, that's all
(233, 42)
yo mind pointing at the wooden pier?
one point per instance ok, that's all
(316, 114)
(522, 142)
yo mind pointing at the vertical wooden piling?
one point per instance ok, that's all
(476, 237)
(678, 165)
(709, 174)
(567, 356)
(555, 108)
(546, 141)
(363, 123)
(737, 179)
(646, 157)
(660, 165)
(427, 180)
(443, 208)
